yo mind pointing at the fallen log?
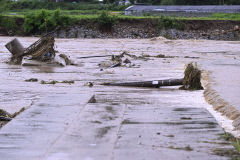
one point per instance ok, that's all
(153, 84)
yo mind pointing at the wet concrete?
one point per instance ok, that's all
(124, 123)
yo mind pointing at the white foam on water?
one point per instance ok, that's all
(222, 120)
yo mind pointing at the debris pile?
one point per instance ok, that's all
(54, 82)
(192, 78)
(122, 60)
(40, 51)
(5, 116)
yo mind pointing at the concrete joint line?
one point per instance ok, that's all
(63, 133)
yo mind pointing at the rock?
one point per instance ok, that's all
(126, 61)
(89, 84)
(92, 99)
(236, 28)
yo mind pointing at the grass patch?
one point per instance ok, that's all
(236, 144)
(234, 154)
(226, 16)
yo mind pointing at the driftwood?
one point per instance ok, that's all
(94, 56)
(2, 118)
(154, 84)
(42, 49)
(115, 65)
(66, 59)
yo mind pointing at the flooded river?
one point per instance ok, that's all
(124, 123)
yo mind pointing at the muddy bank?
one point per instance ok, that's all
(194, 29)
(145, 28)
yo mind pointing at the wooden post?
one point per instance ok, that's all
(15, 47)
(154, 84)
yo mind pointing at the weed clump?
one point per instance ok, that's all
(192, 78)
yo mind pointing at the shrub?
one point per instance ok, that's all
(8, 23)
(106, 21)
(44, 21)
(36, 4)
(169, 23)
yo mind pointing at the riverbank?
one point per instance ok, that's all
(141, 28)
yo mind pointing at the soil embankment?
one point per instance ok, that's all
(145, 28)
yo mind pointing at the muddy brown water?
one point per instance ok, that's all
(124, 123)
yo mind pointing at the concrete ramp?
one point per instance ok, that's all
(32, 133)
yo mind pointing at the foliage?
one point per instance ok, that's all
(168, 23)
(106, 21)
(44, 21)
(167, 2)
(236, 144)
(8, 23)
(36, 4)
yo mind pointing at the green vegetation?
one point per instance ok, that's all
(226, 16)
(236, 144)
(234, 153)
(106, 21)
(165, 22)
(44, 20)
(6, 5)
(8, 23)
